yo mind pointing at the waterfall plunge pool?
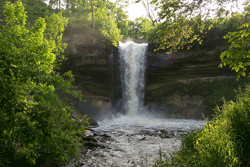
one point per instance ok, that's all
(137, 138)
(136, 141)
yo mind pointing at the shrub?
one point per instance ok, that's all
(33, 121)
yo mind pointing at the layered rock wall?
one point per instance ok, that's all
(95, 65)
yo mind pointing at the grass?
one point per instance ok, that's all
(223, 142)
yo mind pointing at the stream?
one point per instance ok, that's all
(135, 141)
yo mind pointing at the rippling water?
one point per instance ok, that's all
(136, 141)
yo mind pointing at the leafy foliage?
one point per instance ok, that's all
(140, 28)
(110, 20)
(185, 22)
(181, 20)
(33, 121)
(238, 54)
(34, 9)
(109, 29)
(121, 18)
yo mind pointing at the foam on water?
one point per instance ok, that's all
(137, 141)
(136, 123)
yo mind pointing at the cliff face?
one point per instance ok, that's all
(88, 58)
(96, 68)
(185, 66)
(185, 69)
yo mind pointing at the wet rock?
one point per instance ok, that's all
(93, 123)
(105, 135)
(135, 150)
(89, 133)
(91, 145)
(89, 139)
(142, 138)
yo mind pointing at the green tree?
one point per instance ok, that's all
(34, 123)
(121, 20)
(109, 29)
(78, 14)
(34, 9)
(184, 21)
(140, 28)
(106, 21)
(133, 30)
(146, 26)
(105, 17)
(153, 34)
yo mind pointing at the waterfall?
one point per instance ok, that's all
(132, 59)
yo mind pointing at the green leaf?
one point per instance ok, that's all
(243, 73)
(223, 54)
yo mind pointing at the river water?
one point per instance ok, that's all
(137, 138)
(135, 141)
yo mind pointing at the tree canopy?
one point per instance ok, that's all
(140, 28)
(34, 122)
(184, 22)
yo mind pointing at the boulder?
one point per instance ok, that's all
(93, 122)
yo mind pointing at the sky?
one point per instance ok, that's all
(136, 10)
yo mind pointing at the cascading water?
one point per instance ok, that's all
(137, 138)
(132, 58)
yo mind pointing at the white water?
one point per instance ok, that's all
(132, 59)
(135, 139)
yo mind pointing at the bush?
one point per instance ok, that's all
(34, 122)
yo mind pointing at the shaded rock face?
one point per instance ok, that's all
(184, 65)
(95, 64)
(188, 106)
(88, 58)
(115, 80)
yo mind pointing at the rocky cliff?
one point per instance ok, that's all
(96, 69)
(88, 58)
(185, 69)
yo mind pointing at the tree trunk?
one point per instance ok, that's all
(59, 4)
(67, 5)
(93, 19)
